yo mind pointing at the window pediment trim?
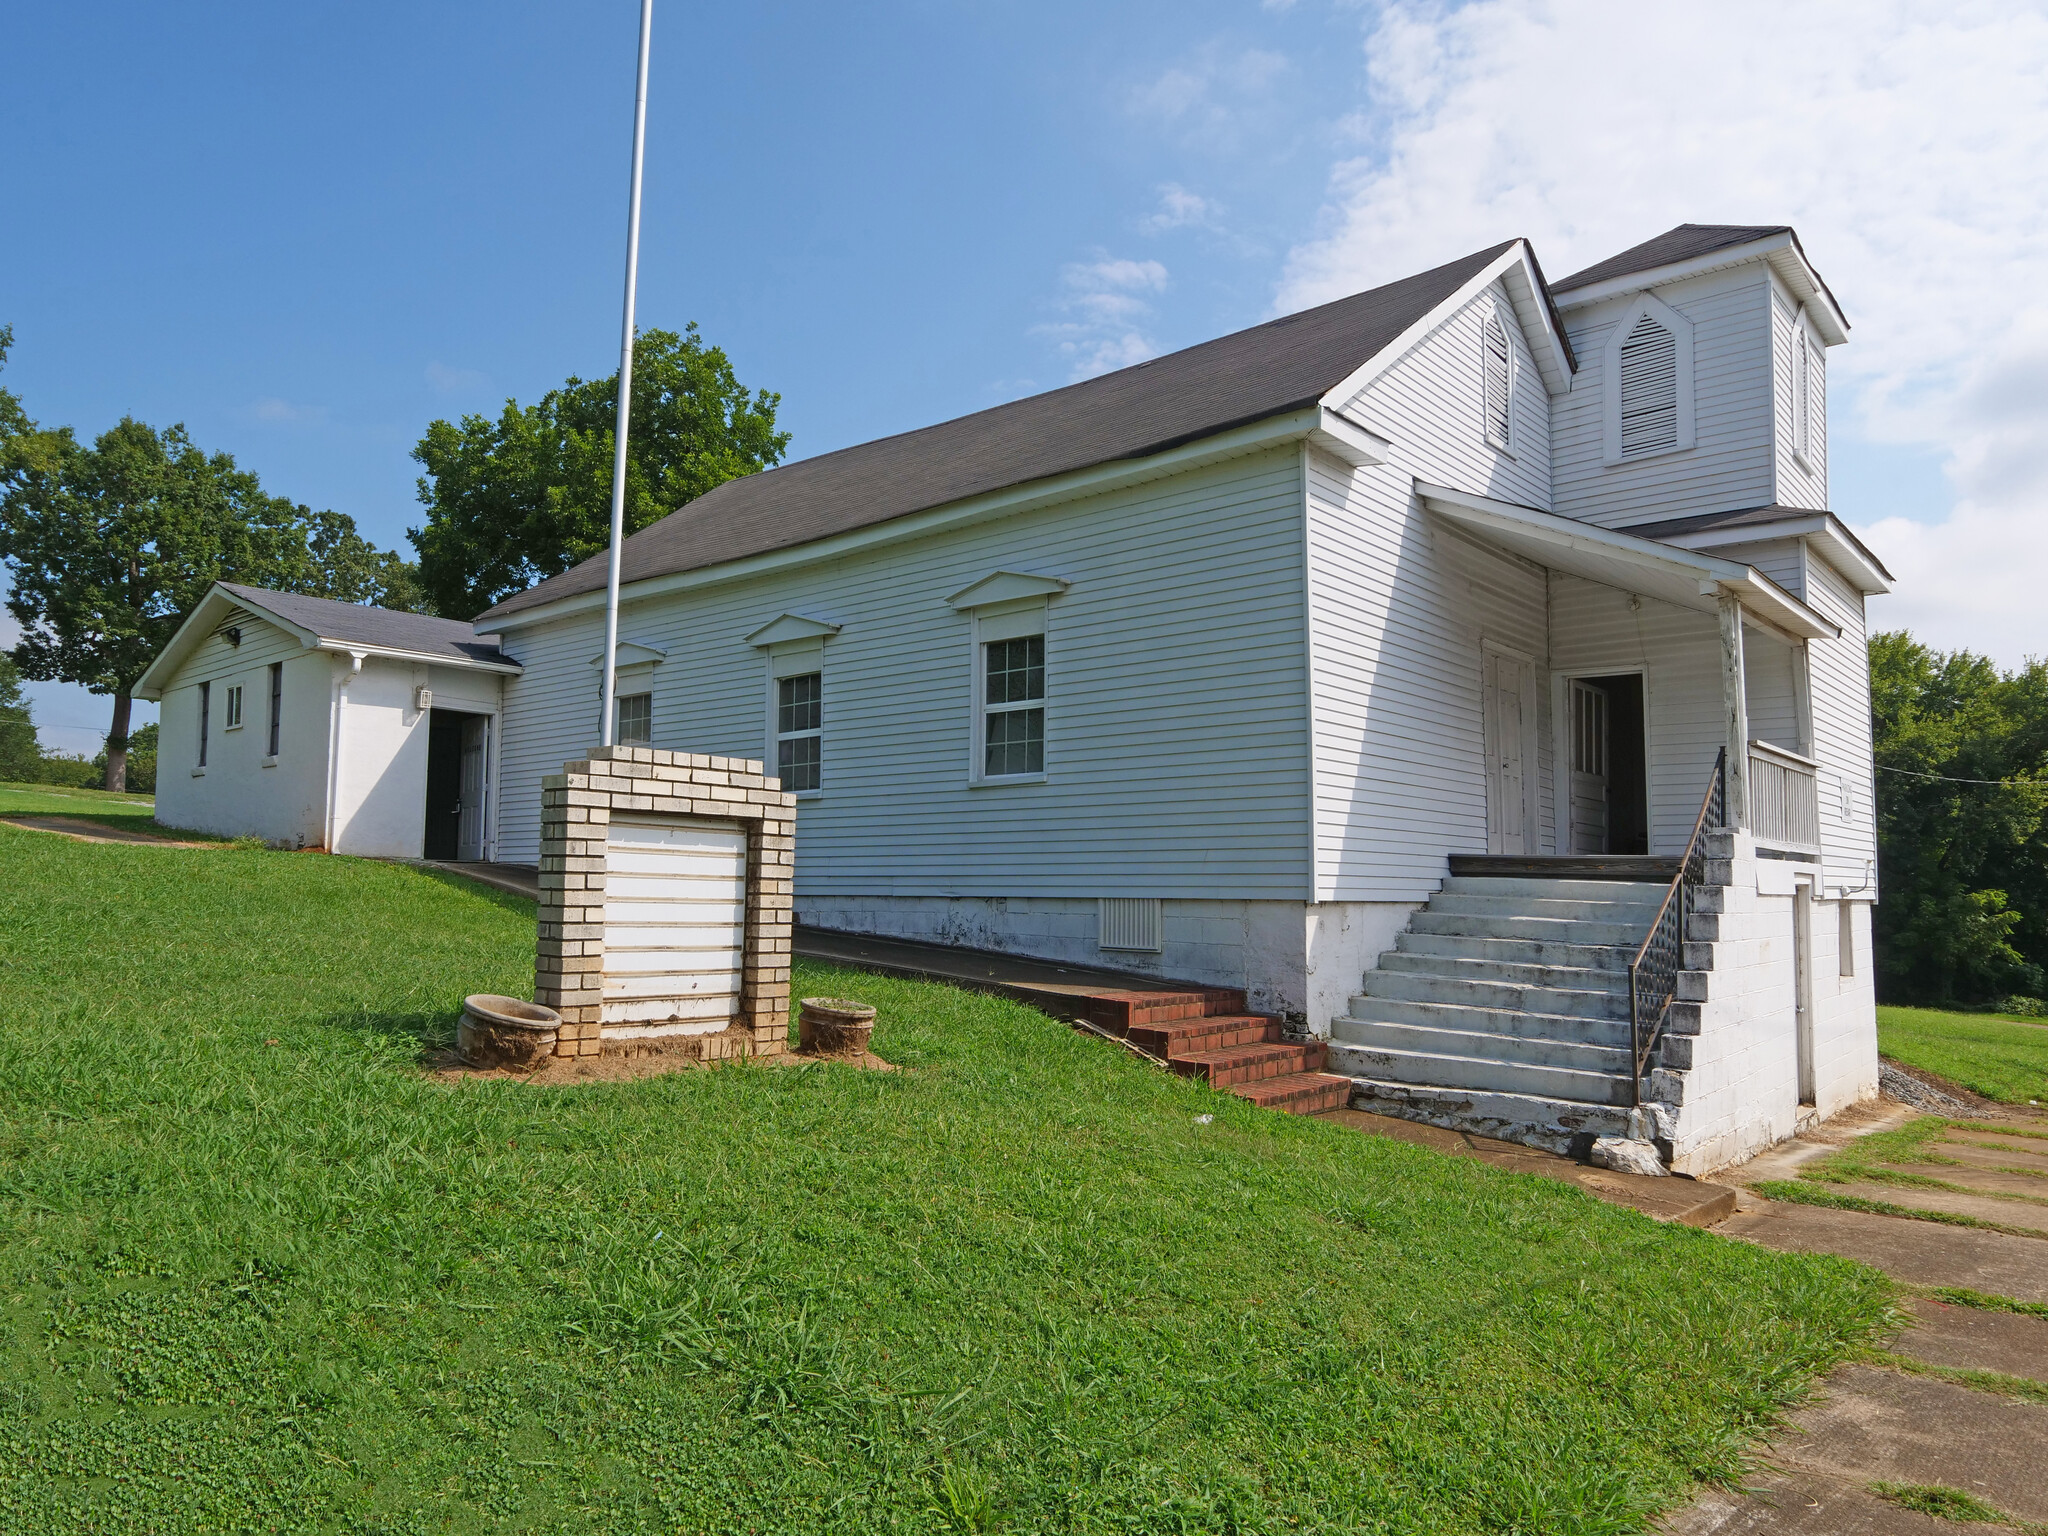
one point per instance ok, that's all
(792, 626)
(1007, 587)
(1680, 329)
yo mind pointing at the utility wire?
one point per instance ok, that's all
(1942, 778)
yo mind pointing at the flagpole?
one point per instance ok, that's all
(611, 593)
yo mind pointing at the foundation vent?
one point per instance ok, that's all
(1130, 922)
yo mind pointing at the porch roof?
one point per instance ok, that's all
(1684, 577)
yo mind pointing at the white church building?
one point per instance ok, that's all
(1469, 669)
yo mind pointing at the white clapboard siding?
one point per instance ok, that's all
(1773, 699)
(1839, 673)
(1807, 485)
(1176, 724)
(674, 925)
(1733, 462)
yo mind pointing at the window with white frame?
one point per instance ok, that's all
(799, 731)
(276, 708)
(635, 720)
(1497, 373)
(232, 716)
(1013, 707)
(205, 712)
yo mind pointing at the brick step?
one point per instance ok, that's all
(1251, 1063)
(1117, 1012)
(1298, 1093)
(1182, 1037)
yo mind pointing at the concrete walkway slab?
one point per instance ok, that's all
(1884, 1426)
(1996, 1182)
(1972, 1155)
(1972, 1339)
(2025, 1146)
(2007, 1213)
(1788, 1503)
(1923, 1253)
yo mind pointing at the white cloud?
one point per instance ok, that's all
(1906, 140)
(1180, 209)
(1208, 96)
(272, 409)
(1105, 303)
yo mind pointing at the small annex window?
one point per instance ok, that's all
(800, 731)
(205, 714)
(276, 708)
(636, 719)
(1496, 373)
(1013, 707)
(1649, 382)
(232, 716)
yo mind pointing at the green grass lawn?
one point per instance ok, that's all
(1999, 1056)
(135, 812)
(259, 1272)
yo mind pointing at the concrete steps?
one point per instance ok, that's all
(1503, 1009)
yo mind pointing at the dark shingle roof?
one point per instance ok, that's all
(1180, 398)
(385, 628)
(1681, 244)
(1759, 518)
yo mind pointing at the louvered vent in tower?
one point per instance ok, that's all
(1495, 360)
(1649, 389)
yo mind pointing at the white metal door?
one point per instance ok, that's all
(469, 822)
(674, 925)
(1508, 681)
(1589, 768)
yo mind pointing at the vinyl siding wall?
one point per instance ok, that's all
(1798, 485)
(1733, 461)
(1839, 672)
(1176, 730)
(1399, 607)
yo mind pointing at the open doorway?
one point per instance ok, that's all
(1610, 787)
(458, 747)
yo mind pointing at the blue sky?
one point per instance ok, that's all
(307, 230)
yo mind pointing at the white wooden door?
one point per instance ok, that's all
(1589, 768)
(1509, 683)
(675, 896)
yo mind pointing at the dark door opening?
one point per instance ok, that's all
(1610, 795)
(455, 785)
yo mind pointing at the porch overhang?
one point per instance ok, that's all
(1685, 578)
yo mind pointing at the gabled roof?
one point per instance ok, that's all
(321, 623)
(1692, 249)
(1752, 525)
(1284, 365)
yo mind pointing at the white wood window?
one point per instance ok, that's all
(233, 713)
(1497, 376)
(1013, 707)
(800, 731)
(205, 710)
(276, 708)
(636, 719)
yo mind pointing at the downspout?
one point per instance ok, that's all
(337, 704)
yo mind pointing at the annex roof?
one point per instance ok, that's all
(321, 623)
(1691, 249)
(1203, 391)
(1750, 525)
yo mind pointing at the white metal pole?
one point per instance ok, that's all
(611, 593)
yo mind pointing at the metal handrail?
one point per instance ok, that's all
(1653, 974)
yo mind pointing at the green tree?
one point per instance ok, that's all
(516, 500)
(1962, 825)
(141, 761)
(109, 546)
(21, 758)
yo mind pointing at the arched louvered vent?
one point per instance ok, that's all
(1495, 362)
(1649, 389)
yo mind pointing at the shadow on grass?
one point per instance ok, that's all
(420, 1035)
(518, 906)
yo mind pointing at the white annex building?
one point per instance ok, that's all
(316, 724)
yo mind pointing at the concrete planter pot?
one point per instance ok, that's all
(506, 1032)
(834, 1026)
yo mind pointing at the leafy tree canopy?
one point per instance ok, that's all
(516, 500)
(21, 758)
(1965, 908)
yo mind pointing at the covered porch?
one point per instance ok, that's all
(1656, 660)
